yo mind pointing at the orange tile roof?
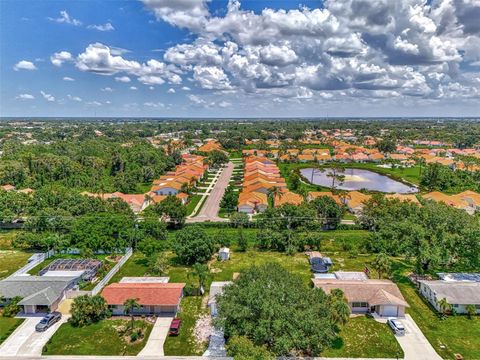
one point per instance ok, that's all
(146, 294)
(288, 197)
(315, 194)
(356, 198)
(403, 197)
(210, 146)
(446, 199)
(306, 157)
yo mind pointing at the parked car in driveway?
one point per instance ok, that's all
(175, 327)
(48, 321)
(396, 326)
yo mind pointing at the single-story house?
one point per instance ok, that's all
(216, 288)
(355, 201)
(40, 294)
(459, 294)
(368, 296)
(161, 299)
(287, 197)
(251, 202)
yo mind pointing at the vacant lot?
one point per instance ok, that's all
(11, 261)
(6, 238)
(102, 338)
(8, 326)
(185, 344)
(365, 337)
(224, 270)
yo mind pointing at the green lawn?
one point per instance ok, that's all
(6, 238)
(349, 216)
(8, 326)
(192, 202)
(365, 337)
(185, 344)
(457, 333)
(136, 265)
(224, 270)
(101, 338)
(11, 261)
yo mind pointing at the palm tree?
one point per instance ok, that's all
(336, 173)
(420, 161)
(148, 199)
(303, 192)
(130, 305)
(341, 312)
(273, 193)
(381, 264)
(201, 272)
(315, 171)
(445, 307)
(471, 310)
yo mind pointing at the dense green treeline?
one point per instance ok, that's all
(96, 164)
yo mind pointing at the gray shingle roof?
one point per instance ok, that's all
(35, 290)
(456, 292)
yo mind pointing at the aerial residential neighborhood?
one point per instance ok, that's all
(235, 179)
(163, 266)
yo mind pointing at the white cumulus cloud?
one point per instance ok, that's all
(59, 58)
(47, 97)
(24, 65)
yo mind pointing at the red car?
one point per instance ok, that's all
(175, 327)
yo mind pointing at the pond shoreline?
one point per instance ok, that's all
(379, 173)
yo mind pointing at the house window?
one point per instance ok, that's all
(455, 305)
(359, 304)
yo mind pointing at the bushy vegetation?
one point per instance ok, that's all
(87, 310)
(442, 178)
(193, 245)
(94, 164)
(435, 235)
(276, 309)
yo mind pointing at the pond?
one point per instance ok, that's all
(357, 179)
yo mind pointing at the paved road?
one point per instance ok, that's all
(414, 344)
(154, 345)
(209, 211)
(25, 341)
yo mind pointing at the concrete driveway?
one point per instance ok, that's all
(25, 341)
(154, 345)
(414, 344)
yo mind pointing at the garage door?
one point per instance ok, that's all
(389, 311)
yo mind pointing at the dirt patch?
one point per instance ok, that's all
(113, 258)
(203, 328)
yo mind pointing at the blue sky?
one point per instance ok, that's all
(239, 58)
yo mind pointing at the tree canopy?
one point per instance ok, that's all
(276, 309)
(435, 235)
(193, 245)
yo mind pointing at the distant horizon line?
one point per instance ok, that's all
(3, 118)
